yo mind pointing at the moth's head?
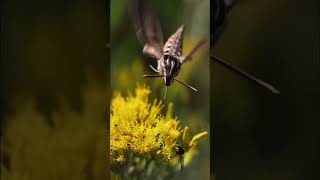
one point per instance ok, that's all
(170, 67)
(168, 80)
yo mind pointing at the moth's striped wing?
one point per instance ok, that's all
(174, 44)
(147, 27)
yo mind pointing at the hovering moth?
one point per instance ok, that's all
(169, 54)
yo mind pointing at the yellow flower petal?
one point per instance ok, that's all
(185, 134)
(196, 138)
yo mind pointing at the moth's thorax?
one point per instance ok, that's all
(169, 66)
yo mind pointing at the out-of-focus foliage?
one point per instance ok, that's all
(74, 148)
(259, 135)
(55, 114)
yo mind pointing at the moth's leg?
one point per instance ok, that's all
(153, 68)
(182, 59)
(152, 76)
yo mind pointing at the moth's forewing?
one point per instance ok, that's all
(147, 27)
(174, 44)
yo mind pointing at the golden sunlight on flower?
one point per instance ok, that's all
(137, 126)
(137, 129)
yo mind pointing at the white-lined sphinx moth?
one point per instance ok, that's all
(168, 55)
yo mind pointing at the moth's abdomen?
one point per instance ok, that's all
(173, 46)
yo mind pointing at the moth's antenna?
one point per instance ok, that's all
(186, 84)
(152, 76)
(246, 75)
(165, 92)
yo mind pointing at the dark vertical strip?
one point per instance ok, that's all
(108, 77)
(3, 43)
(218, 11)
(1, 85)
(213, 11)
(213, 7)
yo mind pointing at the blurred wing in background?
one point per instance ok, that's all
(147, 27)
(219, 10)
(201, 44)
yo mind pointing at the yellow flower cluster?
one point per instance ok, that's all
(137, 126)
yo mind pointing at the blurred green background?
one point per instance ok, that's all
(54, 94)
(257, 135)
(128, 65)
